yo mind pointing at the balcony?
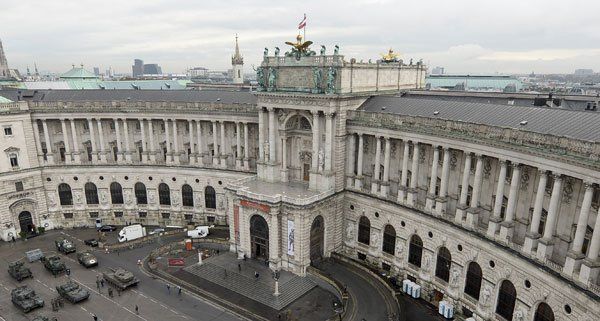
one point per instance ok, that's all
(295, 193)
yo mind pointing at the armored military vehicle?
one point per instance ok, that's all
(25, 299)
(54, 264)
(19, 271)
(120, 278)
(87, 259)
(44, 318)
(64, 245)
(72, 292)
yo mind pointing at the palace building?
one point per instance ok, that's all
(490, 205)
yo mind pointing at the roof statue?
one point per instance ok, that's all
(390, 56)
(299, 48)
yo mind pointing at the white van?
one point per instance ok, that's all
(131, 232)
(199, 232)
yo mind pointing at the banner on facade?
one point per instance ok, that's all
(290, 237)
(236, 224)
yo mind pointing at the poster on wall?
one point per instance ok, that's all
(290, 237)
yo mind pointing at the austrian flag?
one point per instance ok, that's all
(302, 23)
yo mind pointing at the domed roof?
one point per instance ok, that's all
(78, 73)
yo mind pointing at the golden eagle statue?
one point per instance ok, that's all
(390, 56)
(300, 46)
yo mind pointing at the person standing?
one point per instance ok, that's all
(169, 288)
(137, 310)
(95, 317)
(240, 267)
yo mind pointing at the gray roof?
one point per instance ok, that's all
(222, 96)
(583, 125)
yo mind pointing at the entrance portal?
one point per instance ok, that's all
(306, 172)
(317, 239)
(259, 237)
(26, 222)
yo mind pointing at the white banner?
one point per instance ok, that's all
(290, 237)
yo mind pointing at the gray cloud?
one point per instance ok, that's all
(464, 36)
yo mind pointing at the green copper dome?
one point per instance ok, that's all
(78, 73)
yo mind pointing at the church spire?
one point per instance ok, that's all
(4, 71)
(237, 58)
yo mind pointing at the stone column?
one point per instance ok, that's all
(66, 141)
(496, 219)
(261, 136)
(144, 152)
(328, 141)
(76, 154)
(385, 185)
(49, 153)
(199, 138)
(102, 148)
(152, 147)
(223, 146)
(246, 148)
(216, 155)
(575, 256)
(473, 210)
(376, 170)
(532, 236)
(92, 139)
(507, 227)
(284, 169)
(430, 201)
(192, 155)
(462, 206)
(440, 202)
(546, 243)
(118, 136)
(38, 142)
(169, 157)
(238, 146)
(358, 182)
(272, 142)
(176, 151)
(316, 139)
(404, 175)
(351, 143)
(591, 266)
(412, 192)
(127, 145)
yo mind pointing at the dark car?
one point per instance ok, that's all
(91, 242)
(107, 228)
(87, 259)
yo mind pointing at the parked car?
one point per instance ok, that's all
(156, 231)
(87, 259)
(64, 245)
(91, 242)
(107, 228)
(26, 299)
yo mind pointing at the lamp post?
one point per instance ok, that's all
(338, 308)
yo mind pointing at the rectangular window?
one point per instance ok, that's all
(189, 217)
(89, 153)
(68, 215)
(118, 214)
(93, 214)
(165, 215)
(14, 161)
(386, 267)
(361, 256)
(143, 214)
(62, 154)
(210, 219)
(596, 198)
(8, 131)
(19, 186)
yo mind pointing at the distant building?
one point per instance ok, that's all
(237, 63)
(583, 72)
(4, 71)
(437, 71)
(197, 72)
(138, 67)
(494, 83)
(96, 71)
(152, 69)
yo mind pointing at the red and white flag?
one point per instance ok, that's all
(302, 23)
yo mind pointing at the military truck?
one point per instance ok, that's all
(25, 299)
(19, 271)
(72, 292)
(120, 278)
(64, 245)
(87, 259)
(54, 264)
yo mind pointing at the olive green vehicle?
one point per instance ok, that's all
(19, 271)
(64, 245)
(25, 299)
(72, 292)
(44, 318)
(120, 278)
(54, 264)
(87, 259)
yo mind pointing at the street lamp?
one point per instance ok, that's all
(338, 308)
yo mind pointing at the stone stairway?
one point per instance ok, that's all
(256, 290)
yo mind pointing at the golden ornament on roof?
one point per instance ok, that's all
(390, 56)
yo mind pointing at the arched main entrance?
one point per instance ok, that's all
(26, 222)
(317, 239)
(298, 147)
(259, 237)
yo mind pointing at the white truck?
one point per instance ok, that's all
(131, 232)
(198, 232)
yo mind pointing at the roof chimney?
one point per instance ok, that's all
(550, 101)
(588, 106)
(595, 106)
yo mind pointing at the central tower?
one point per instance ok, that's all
(237, 64)
(4, 71)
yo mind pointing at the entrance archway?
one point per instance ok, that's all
(317, 239)
(26, 222)
(259, 237)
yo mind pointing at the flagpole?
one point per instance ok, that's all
(304, 27)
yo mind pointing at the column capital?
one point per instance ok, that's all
(515, 164)
(542, 171)
(446, 148)
(213, 121)
(360, 135)
(478, 156)
(557, 176)
(270, 109)
(502, 161)
(329, 114)
(62, 119)
(314, 112)
(588, 184)
(387, 138)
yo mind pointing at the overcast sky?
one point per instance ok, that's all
(464, 36)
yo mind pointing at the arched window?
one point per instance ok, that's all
(91, 193)
(473, 280)
(364, 230)
(187, 195)
(389, 239)
(64, 194)
(415, 250)
(116, 193)
(210, 197)
(140, 193)
(543, 313)
(164, 194)
(442, 267)
(506, 300)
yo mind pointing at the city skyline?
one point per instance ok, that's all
(511, 37)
